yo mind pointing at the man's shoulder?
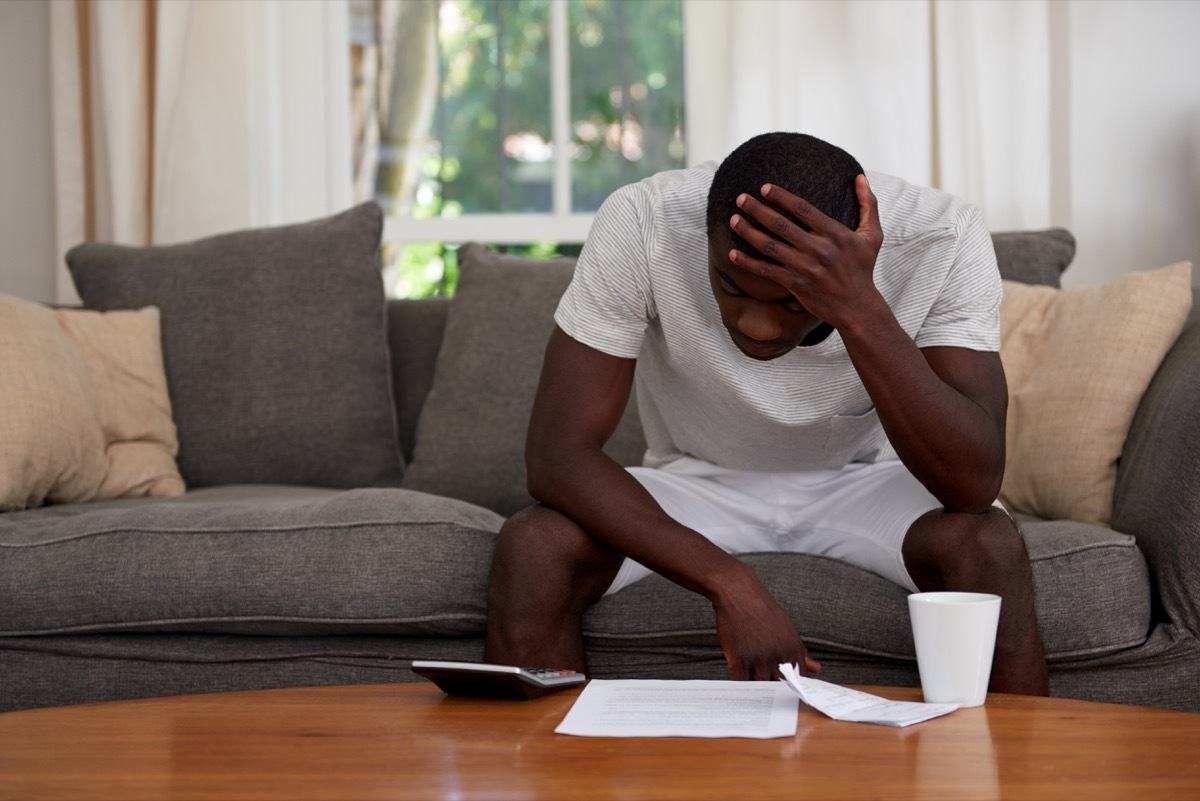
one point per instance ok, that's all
(671, 192)
(685, 179)
(910, 211)
(666, 212)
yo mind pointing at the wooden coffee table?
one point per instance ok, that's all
(410, 741)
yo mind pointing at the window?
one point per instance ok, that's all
(507, 122)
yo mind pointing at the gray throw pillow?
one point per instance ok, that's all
(275, 348)
(1034, 257)
(470, 441)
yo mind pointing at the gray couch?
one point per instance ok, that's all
(313, 549)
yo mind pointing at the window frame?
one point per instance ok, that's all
(561, 224)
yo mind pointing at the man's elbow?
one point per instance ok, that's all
(543, 490)
(540, 475)
(552, 470)
(975, 495)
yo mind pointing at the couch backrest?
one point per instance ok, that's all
(415, 330)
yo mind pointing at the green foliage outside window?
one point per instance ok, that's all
(489, 144)
(429, 269)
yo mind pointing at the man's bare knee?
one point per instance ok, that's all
(548, 559)
(985, 553)
(545, 545)
(955, 549)
(546, 572)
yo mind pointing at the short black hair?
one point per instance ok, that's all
(821, 173)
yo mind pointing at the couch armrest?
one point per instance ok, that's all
(1157, 497)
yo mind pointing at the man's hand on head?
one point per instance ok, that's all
(828, 268)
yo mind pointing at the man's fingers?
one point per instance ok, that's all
(767, 672)
(779, 225)
(806, 664)
(738, 670)
(868, 208)
(747, 670)
(799, 208)
(788, 245)
(761, 267)
(768, 246)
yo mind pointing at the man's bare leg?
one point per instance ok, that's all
(546, 573)
(985, 553)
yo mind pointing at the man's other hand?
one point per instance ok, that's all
(756, 634)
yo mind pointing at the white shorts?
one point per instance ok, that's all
(859, 514)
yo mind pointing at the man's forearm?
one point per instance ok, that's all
(578, 406)
(598, 494)
(949, 441)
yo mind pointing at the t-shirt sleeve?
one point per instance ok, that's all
(966, 313)
(608, 302)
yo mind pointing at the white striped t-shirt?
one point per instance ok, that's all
(641, 290)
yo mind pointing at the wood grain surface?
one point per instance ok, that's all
(409, 741)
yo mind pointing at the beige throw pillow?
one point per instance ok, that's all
(1077, 363)
(84, 409)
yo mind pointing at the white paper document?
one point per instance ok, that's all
(842, 703)
(655, 708)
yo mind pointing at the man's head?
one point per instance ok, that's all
(763, 319)
(806, 166)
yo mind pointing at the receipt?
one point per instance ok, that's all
(842, 703)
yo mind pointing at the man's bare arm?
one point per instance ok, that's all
(579, 402)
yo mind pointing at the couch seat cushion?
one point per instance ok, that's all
(1092, 597)
(247, 559)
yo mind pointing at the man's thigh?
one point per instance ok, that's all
(860, 514)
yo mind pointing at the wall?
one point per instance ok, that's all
(1134, 137)
(27, 258)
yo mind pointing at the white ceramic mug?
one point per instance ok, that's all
(955, 637)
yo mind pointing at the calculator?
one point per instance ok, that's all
(482, 680)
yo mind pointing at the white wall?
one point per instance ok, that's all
(27, 258)
(1134, 188)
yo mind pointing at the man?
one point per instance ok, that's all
(817, 371)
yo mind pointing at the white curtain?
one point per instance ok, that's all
(176, 119)
(941, 92)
